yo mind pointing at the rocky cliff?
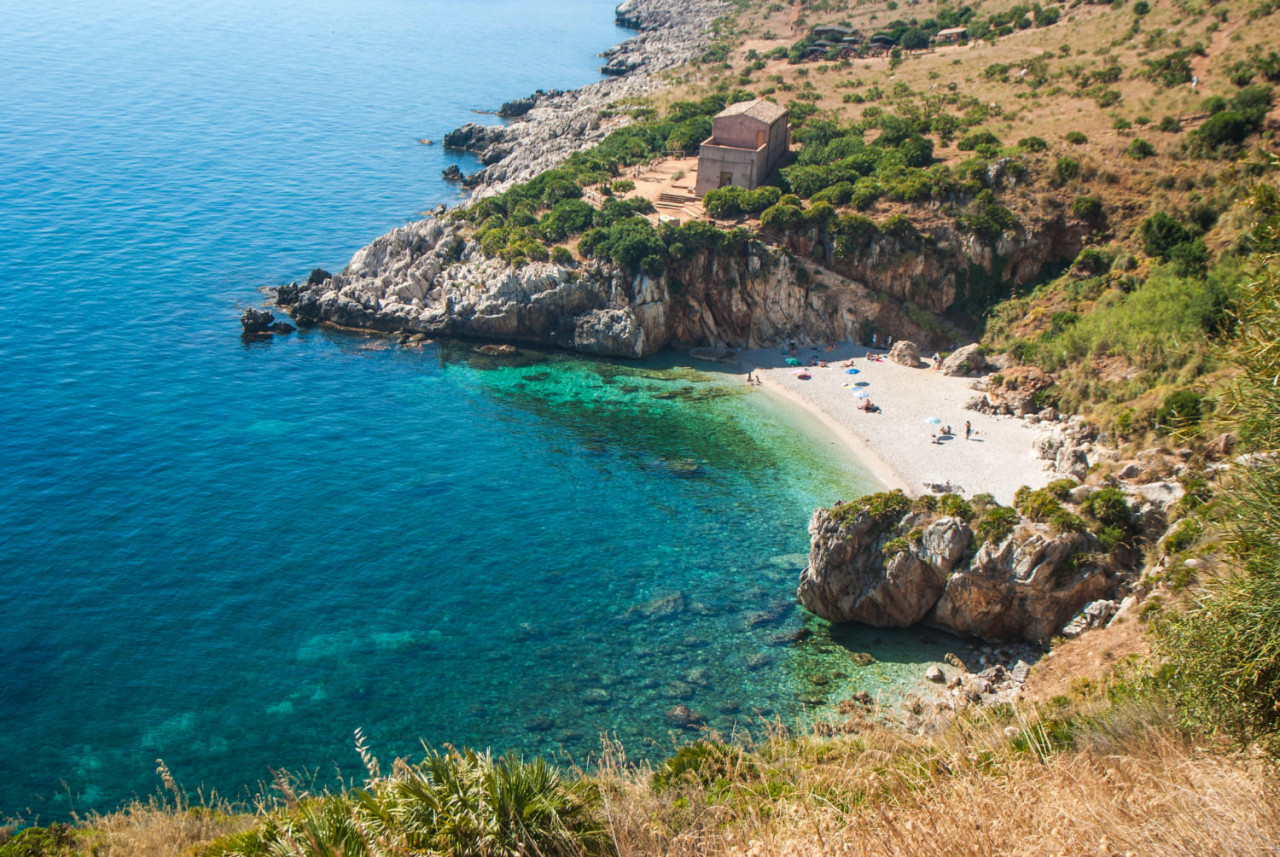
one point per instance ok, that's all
(924, 567)
(428, 277)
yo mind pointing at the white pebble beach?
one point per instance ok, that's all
(897, 443)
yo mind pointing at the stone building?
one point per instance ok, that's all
(747, 141)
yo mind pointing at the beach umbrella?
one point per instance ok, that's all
(799, 372)
(793, 361)
(861, 394)
(933, 421)
(852, 371)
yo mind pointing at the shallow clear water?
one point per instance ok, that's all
(231, 555)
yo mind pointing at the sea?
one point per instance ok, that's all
(229, 555)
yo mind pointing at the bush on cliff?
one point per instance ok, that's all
(885, 509)
(1222, 653)
(631, 243)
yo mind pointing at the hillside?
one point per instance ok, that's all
(1084, 189)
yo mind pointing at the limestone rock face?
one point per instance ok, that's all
(850, 580)
(965, 361)
(1023, 589)
(905, 352)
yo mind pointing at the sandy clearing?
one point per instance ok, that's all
(896, 443)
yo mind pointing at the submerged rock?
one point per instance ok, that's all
(684, 717)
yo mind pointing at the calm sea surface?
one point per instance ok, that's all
(231, 555)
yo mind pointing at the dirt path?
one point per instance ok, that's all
(1200, 64)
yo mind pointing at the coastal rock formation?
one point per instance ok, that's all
(430, 278)
(849, 579)
(1024, 587)
(257, 322)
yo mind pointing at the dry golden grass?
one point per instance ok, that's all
(166, 825)
(1131, 788)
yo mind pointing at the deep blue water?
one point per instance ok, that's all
(231, 555)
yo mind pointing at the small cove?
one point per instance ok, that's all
(230, 555)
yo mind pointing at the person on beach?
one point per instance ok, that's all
(967, 429)
(749, 381)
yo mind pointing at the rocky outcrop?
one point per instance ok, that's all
(1022, 588)
(905, 353)
(849, 578)
(968, 360)
(1025, 588)
(257, 322)
(430, 278)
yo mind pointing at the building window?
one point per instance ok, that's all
(726, 179)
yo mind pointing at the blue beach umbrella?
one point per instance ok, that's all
(852, 371)
(861, 394)
(933, 421)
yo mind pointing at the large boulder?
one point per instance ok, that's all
(849, 578)
(965, 361)
(1025, 588)
(256, 321)
(905, 352)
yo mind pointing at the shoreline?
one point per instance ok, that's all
(862, 451)
(897, 444)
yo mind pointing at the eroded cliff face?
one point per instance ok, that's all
(1026, 587)
(944, 267)
(430, 277)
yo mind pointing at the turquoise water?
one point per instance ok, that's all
(231, 555)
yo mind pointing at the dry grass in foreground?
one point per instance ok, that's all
(1132, 785)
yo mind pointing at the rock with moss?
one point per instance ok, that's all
(861, 569)
(878, 561)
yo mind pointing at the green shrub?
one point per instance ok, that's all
(1181, 409)
(1140, 149)
(1061, 488)
(974, 139)
(1039, 506)
(893, 547)
(1076, 138)
(56, 840)
(561, 255)
(1033, 144)
(885, 510)
(1182, 536)
(782, 218)
(1109, 507)
(954, 506)
(1087, 207)
(996, 523)
(1170, 125)
(1160, 233)
(1065, 170)
(1063, 521)
(704, 762)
